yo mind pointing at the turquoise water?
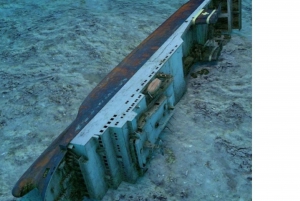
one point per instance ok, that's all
(52, 54)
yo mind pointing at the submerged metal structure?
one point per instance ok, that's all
(108, 142)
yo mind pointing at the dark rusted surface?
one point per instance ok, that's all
(40, 172)
(213, 16)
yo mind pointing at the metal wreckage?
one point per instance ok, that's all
(109, 140)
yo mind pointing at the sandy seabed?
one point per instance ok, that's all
(53, 53)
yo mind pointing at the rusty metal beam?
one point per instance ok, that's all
(40, 172)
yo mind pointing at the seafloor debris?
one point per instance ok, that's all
(203, 71)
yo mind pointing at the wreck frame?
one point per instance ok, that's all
(107, 142)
